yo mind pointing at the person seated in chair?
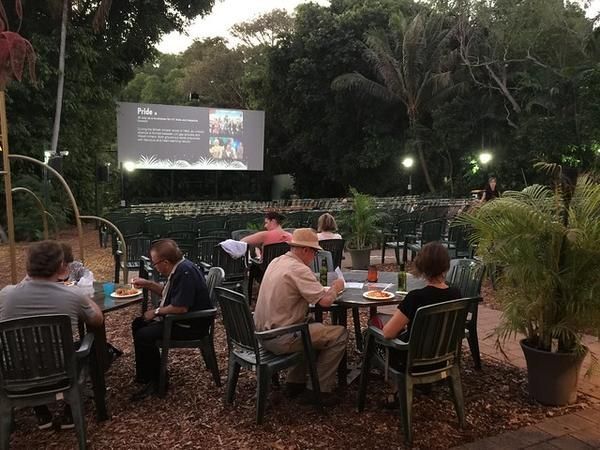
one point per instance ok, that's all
(431, 263)
(42, 294)
(184, 291)
(274, 234)
(289, 286)
(327, 228)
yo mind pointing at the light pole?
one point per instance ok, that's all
(127, 166)
(408, 163)
(485, 157)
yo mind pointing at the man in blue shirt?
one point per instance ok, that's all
(184, 291)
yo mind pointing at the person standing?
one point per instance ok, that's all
(288, 288)
(490, 192)
(185, 290)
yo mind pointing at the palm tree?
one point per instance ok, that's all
(413, 68)
(99, 20)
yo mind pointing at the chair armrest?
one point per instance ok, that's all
(85, 347)
(191, 315)
(253, 260)
(302, 327)
(395, 343)
(410, 238)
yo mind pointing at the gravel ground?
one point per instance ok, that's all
(193, 414)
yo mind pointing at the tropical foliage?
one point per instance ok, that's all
(547, 244)
(360, 225)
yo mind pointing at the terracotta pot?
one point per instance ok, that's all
(361, 258)
(552, 377)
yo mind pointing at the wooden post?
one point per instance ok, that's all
(10, 222)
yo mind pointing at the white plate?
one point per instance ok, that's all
(368, 295)
(115, 295)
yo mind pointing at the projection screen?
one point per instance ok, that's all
(190, 138)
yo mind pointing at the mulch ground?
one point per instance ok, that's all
(193, 414)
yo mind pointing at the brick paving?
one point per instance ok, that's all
(578, 430)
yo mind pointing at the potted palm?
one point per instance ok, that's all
(547, 242)
(360, 228)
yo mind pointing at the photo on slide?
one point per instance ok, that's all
(226, 148)
(226, 122)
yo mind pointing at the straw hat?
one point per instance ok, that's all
(305, 237)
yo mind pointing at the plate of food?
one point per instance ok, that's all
(378, 295)
(126, 292)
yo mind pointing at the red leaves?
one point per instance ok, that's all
(15, 50)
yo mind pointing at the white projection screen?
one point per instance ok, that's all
(189, 138)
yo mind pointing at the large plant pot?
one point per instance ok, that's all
(361, 258)
(552, 377)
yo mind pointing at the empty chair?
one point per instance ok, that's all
(431, 354)
(38, 364)
(246, 351)
(204, 251)
(205, 344)
(257, 268)
(235, 269)
(466, 275)
(430, 231)
(400, 231)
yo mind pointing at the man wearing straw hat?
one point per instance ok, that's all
(288, 288)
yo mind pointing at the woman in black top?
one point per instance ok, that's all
(431, 263)
(490, 192)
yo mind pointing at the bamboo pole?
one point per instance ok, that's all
(121, 238)
(40, 207)
(10, 220)
(69, 193)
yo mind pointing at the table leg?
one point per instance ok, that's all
(340, 317)
(357, 329)
(97, 365)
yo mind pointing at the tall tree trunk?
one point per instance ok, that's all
(417, 138)
(61, 76)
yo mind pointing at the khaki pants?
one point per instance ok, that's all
(330, 343)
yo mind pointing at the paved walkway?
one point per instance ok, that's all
(579, 430)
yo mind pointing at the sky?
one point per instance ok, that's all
(227, 13)
(224, 15)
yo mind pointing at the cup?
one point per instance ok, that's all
(372, 274)
(108, 288)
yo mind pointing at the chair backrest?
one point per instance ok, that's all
(466, 275)
(436, 334)
(432, 230)
(214, 279)
(404, 227)
(272, 251)
(206, 226)
(235, 269)
(205, 249)
(336, 247)
(182, 224)
(36, 353)
(137, 246)
(320, 256)
(130, 226)
(459, 236)
(237, 320)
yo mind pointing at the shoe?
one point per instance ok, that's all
(148, 390)
(44, 418)
(293, 390)
(66, 420)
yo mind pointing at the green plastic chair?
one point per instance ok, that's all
(37, 363)
(246, 351)
(431, 354)
(205, 344)
(466, 275)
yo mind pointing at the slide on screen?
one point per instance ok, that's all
(189, 138)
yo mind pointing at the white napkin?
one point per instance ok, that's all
(236, 249)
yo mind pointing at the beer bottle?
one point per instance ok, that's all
(402, 278)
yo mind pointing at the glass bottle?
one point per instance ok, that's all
(323, 272)
(402, 278)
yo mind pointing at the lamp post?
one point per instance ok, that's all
(408, 163)
(127, 166)
(485, 158)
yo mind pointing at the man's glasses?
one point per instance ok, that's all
(154, 264)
